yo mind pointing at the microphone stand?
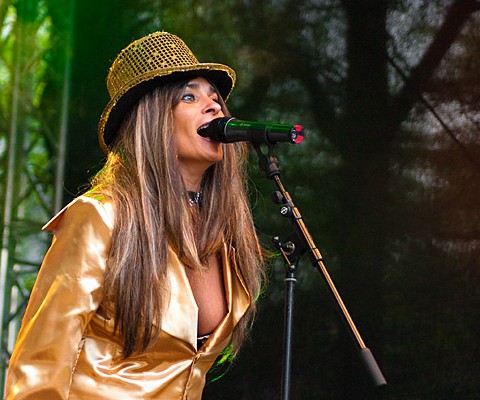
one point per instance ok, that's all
(291, 251)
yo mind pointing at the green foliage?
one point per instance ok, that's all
(27, 153)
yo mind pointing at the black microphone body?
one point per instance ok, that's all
(230, 130)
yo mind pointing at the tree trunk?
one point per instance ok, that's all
(365, 144)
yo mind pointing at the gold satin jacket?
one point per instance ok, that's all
(66, 348)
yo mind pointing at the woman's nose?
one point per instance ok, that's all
(212, 106)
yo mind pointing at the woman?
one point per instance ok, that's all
(154, 271)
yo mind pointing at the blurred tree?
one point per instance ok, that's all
(32, 101)
(100, 30)
(330, 58)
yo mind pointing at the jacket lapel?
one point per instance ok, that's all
(181, 315)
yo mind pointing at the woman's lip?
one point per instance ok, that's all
(210, 140)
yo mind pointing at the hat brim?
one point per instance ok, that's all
(222, 76)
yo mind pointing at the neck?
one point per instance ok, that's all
(192, 175)
(192, 179)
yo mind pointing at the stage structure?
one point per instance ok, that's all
(34, 97)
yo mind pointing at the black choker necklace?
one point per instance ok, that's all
(194, 198)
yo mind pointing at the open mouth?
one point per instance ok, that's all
(205, 132)
(204, 126)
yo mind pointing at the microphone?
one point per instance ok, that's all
(230, 130)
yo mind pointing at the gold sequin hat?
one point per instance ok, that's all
(145, 64)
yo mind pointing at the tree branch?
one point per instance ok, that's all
(458, 14)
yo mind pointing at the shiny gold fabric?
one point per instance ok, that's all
(66, 349)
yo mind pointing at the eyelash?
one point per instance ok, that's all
(193, 98)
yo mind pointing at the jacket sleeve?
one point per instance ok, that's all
(67, 292)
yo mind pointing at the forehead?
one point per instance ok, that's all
(201, 83)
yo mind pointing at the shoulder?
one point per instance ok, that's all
(91, 207)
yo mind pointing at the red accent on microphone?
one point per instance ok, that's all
(299, 138)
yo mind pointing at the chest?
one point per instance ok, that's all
(209, 292)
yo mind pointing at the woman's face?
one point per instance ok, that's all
(199, 104)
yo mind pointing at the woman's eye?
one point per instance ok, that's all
(188, 97)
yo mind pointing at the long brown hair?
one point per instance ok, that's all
(142, 178)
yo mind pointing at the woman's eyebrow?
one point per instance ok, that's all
(195, 85)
